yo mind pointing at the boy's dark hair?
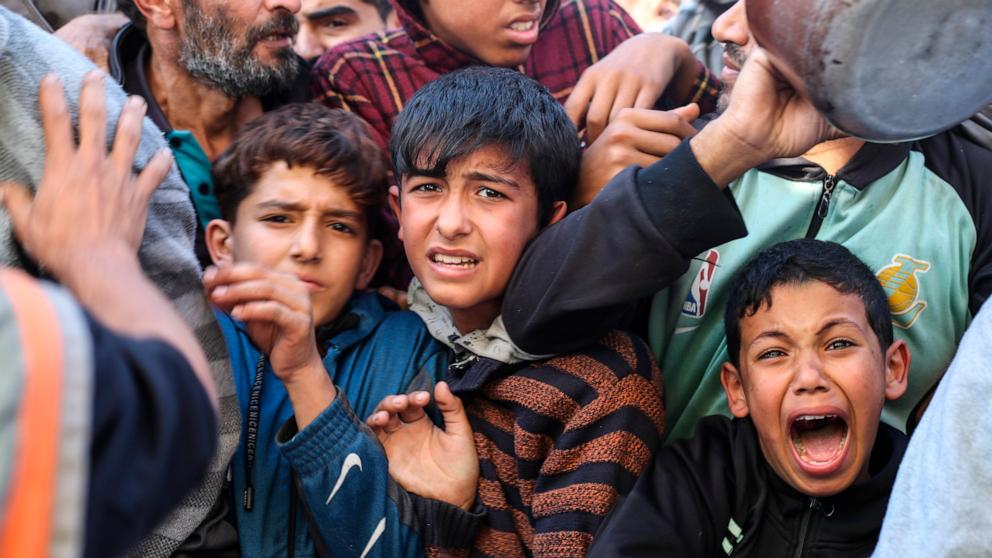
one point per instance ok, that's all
(382, 6)
(336, 143)
(798, 262)
(477, 107)
(132, 12)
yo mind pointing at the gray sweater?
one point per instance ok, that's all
(26, 55)
(940, 502)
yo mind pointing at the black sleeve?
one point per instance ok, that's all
(967, 167)
(681, 505)
(581, 277)
(153, 434)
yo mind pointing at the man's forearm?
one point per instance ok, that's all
(109, 283)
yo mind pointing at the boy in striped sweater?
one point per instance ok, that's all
(558, 438)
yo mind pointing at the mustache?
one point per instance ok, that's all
(282, 23)
(736, 53)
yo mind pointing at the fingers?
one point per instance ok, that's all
(578, 101)
(234, 295)
(626, 97)
(455, 418)
(153, 174)
(663, 121)
(17, 199)
(598, 116)
(56, 122)
(270, 311)
(128, 134)
(689, 112)
(92, 116)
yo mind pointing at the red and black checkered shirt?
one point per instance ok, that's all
(374, 76)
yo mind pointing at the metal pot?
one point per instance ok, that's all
(882, 70)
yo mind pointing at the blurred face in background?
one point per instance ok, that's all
(651, 15)
(327, 23)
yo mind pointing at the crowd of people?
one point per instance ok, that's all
(505, 278)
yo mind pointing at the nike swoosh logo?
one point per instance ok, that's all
(352, 460)
(680, 330)
(379, 530)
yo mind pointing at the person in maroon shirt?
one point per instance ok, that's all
(588, 53)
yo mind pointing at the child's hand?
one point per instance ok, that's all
(637, 137)
(634, 75)
(424, 459)
(276, 310)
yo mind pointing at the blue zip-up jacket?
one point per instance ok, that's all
(331, 479)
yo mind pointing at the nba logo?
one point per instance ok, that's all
(695, 302)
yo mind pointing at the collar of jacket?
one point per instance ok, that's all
(493, 343)
(872, 162)
(130, 50)
(439, 55)
(856, 513)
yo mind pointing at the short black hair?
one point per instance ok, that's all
(384, 7)
(464, 111)
(797, 262)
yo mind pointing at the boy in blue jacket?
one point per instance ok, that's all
(310, 349)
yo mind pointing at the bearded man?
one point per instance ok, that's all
(206, 68)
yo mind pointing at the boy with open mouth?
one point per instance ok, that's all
(806, 467)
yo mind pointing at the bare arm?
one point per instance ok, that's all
(87, 218)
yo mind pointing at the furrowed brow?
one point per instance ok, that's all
(330, 12)
(281, 205)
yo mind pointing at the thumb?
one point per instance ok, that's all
(689, 112)
(455, 418)
(18, 201)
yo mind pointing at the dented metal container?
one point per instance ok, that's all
(882, 70)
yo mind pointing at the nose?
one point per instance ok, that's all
(292, 6)
(452, 220)
(307, 45)
(810, 376)
(307, 243)
(731, 26)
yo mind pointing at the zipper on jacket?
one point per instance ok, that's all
(823, 207)
(804, 527)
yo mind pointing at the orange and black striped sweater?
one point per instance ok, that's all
(558, 441)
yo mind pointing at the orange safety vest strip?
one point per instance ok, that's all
(28, 526)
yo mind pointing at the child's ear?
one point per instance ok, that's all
(897, 360)
(370, 264)
(394, 204)
(558, 212)
(218, 239)
(158, 13)
(733, 386)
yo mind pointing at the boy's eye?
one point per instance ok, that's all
(341, 227)
(770, 354)
(334, 24)
(279, 219)
(490, 193)
(426, 187)
(839, 344)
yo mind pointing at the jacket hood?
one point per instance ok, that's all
(357, 321)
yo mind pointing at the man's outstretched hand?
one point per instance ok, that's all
(431, 462)
(88, 202)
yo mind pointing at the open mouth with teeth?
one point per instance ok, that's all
(523, 25)
(819, 441)
(454, 261)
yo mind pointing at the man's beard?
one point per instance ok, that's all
(211, 52)
(738, 57)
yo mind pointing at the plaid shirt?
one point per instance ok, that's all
(375, 75)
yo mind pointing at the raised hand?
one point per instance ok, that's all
(636, 137)
(431, 462)
(276, 310)
(766, 119)
(634, 75)
(87, 201)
